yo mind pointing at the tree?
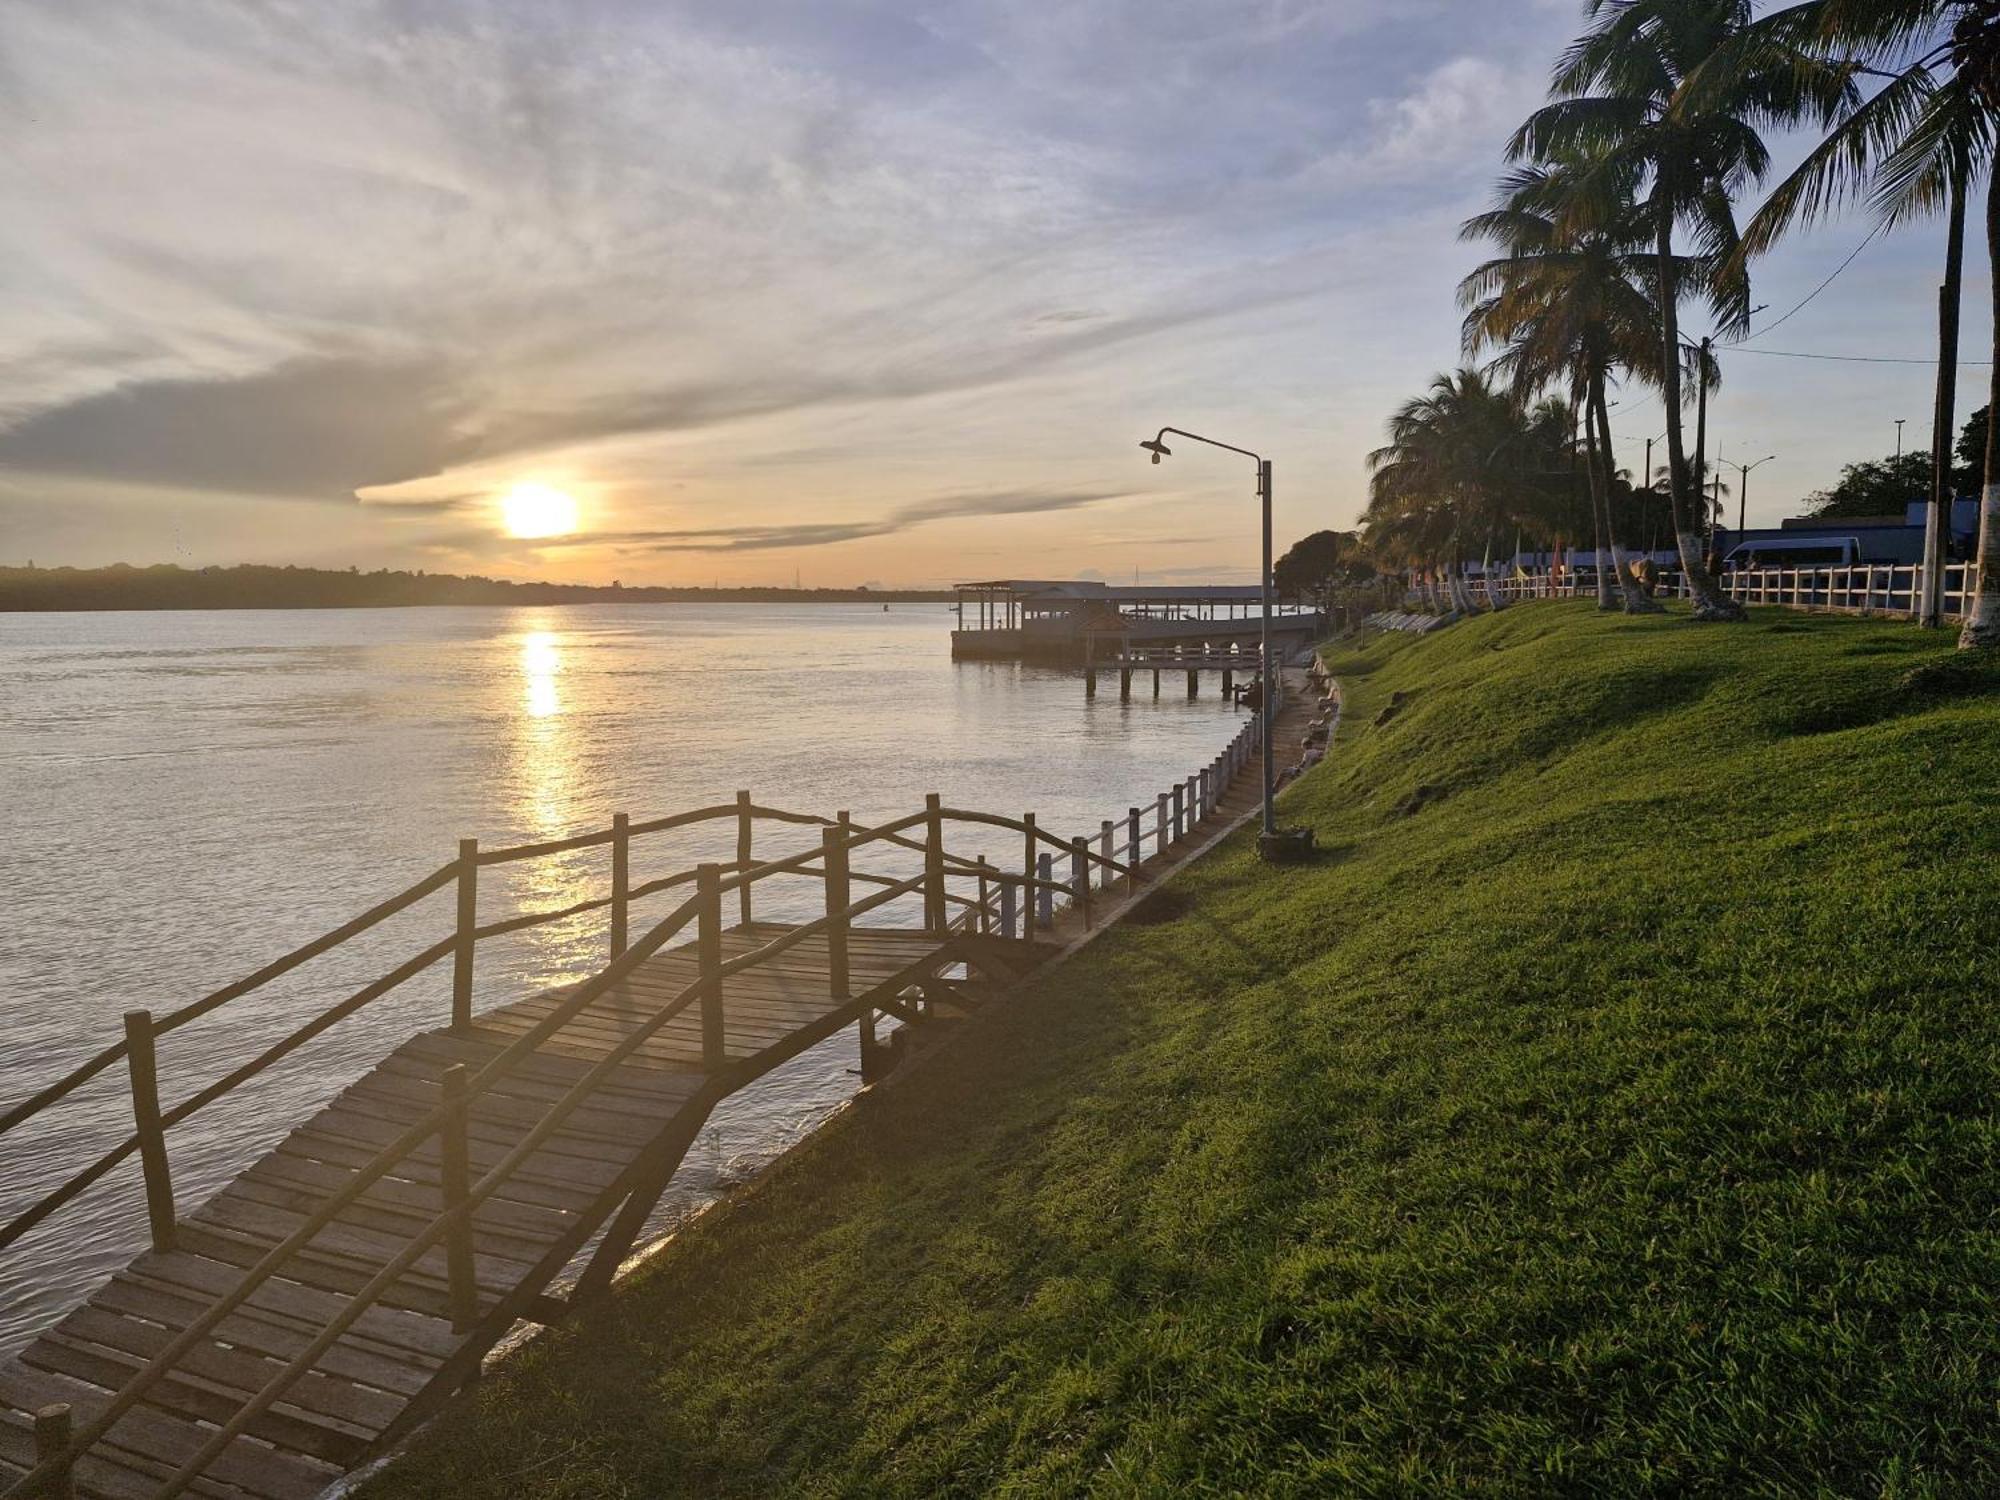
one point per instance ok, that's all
(1316, 565)
(1623, 101)
(1971, 453)
(1569, 305)
(1918, 145)
(1463, 462)
(1874, 487)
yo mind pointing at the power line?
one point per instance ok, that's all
(1866, 241)
(1845, 359)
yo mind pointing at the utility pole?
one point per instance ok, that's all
(1899, 437)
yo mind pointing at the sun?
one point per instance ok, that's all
(532, 510)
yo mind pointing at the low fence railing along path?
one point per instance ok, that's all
(326, 1300)
(1854, 588)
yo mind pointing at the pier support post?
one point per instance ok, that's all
(1156, 682)
(1029, 905)
(455, 1187)
(621, 880)
(1124, 684)
(842, 836)
(708, 957)
(934, 903)
(146, 1125)
(746, 833)
(468, 924)
(1194, 683)
(1090, 682)
(52, 1429)
(1228, 683)
(1079, 877)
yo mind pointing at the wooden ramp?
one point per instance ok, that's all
(312, 1312)
(372, 1380)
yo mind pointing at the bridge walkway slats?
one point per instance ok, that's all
(362, 1385)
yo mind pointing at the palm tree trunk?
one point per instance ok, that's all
(1982, 618)
(1594, 469)
(1937, 531)
(1709, 603)
(1635, 600)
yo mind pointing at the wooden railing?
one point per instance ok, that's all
(990, 900)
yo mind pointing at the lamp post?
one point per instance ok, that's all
(1743, 489)
(1267, 694)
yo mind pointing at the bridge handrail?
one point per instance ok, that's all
(713, 880)
(433, 1121)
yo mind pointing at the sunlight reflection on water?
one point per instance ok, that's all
(194, 793)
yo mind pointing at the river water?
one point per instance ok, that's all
(191, 794)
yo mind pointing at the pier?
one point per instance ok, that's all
(1067, 622)
(493, 1172)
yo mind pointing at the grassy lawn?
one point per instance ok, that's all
(1609, 1111)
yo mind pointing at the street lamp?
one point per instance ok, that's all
(1267, 685)
(1743, 488)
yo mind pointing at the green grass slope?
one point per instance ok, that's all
(1609, 1111)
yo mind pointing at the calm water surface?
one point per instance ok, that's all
(190, 794)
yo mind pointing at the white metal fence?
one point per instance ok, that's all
(1857, 588)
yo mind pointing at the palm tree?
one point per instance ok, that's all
(1568, 303)
(1622, 102)
(1462, 463)
(1916, 146)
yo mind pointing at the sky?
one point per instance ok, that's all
(833, 290)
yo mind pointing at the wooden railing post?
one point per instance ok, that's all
(746, 837)
(1079, 876)
(468, 924)
(1007, 909)
(1029, 905)
(1160, 825)
(1132, 858)
(838, 975)
(146, 1122)
(621, 879)
(52, 1429)
(455, 1185)
(1179, 791)
(1045, 892)
(934, 903)
(833, 855)
(1104, 852)
(708, 955)
(984, 922)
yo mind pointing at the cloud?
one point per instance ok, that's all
(308, 429)
(762, 538)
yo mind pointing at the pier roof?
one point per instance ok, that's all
(1090, 588)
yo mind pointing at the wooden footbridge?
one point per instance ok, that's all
(322, 1304)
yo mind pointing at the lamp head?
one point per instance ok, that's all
(1157, 449)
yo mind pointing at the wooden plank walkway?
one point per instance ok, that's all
(313, 1311)
(359, 1390)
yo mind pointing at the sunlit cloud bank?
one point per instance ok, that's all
(856, 290)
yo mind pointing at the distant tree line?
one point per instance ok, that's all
(253, 586)
(1884, 486)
